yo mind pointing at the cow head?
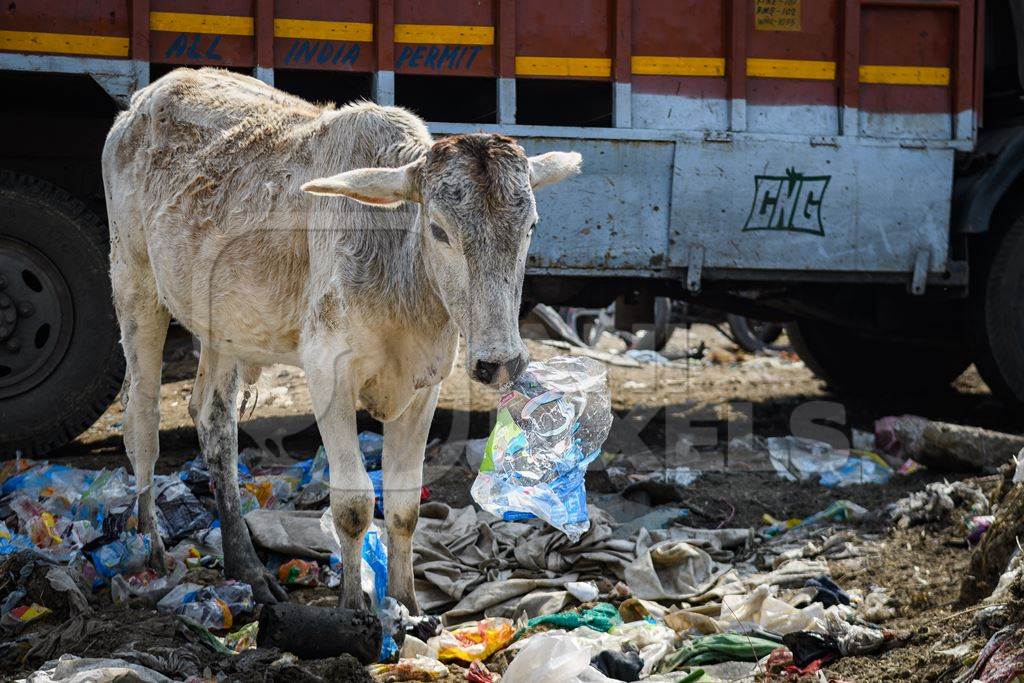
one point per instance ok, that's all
(477, 214)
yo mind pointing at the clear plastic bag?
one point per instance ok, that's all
(551, 424)
(215, 607)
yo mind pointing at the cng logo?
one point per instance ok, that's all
(788, 203)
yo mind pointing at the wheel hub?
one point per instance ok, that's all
(36, 317)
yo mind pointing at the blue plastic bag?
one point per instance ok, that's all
(550, 426)
(124, 556)
(375, 574)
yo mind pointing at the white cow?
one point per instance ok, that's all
(204, 177)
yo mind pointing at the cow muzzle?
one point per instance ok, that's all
(499, 372)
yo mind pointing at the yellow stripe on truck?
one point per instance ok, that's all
(905, 75)
(791, 68)
(564, 66)
(64, 43)
(678, 66)
(441, 34)
(182, 22)
(323, 30)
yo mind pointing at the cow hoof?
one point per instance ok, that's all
(357, 602)
(157, 553)
(265, 588)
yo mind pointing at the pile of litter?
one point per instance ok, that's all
(532, 585)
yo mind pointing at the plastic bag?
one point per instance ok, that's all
(419, 668)
(126, 555)
(371, 445)
(146, 584)
(796, 458)
(551, 424)
(214, 607)
(299, 573)
(859, 468)
(181, 511)
(553, 658)
(476, 641)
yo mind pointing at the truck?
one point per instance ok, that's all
(852, 167)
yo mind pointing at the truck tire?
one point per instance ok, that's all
(852, 361)
(753, 335)
(61, 363)
(997, 315)
(657, 335)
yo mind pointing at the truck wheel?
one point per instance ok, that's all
(60, 361)
(657, 335)
(997, 315)
(852, 361)
(753, 335)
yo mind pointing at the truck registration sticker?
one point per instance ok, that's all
(777, 15)
(788, 203)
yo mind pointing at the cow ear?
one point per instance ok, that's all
(547, 169)
(385, 187)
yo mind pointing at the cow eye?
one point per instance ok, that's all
(439, 234)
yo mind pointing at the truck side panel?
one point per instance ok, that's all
(784, 135)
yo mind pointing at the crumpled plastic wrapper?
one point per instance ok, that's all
(551, 424)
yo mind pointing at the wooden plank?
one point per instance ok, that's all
(265, 33)
(805, 69)
(735, 64)
(187, 22)
(904, 75)
(962, 94)
(140, 30)
(594, 67)
(438, 34)
(622, 40)
(384, 37)
(507, 38)
(849, 90)
(678, 66)
(323, 30)
(66, 43)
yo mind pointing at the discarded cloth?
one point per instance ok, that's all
(601, 617)
(620, 665)
(455, 551)
(762, 609)
(72, 669)
(811, 647)
(937, 502)
(1002, 658)
(291, 533)
(718, 647)
(671, 570)
(828, 592)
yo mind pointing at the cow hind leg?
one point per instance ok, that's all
(144, 323)
(215, 412)
(404, 443)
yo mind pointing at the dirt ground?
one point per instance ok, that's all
(680, 414)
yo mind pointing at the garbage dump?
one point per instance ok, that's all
(827, 568)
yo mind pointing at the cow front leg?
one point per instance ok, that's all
(404, 442)
(334, 404)
(216, 418)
